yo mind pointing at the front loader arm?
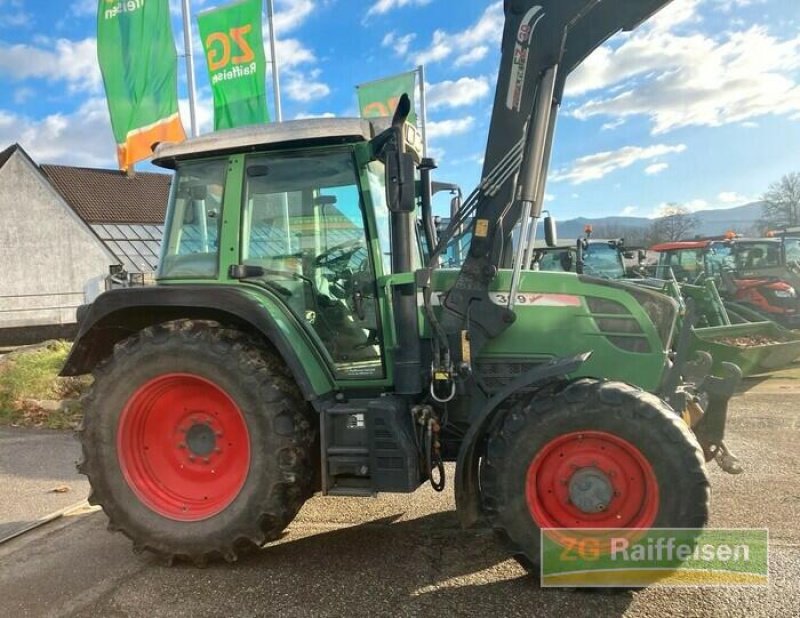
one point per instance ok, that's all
(543, 42)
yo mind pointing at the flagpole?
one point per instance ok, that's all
(276, 84)
(423, 116)
(187, 48)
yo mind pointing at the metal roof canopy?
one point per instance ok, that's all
(306, 132)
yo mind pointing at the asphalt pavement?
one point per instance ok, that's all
(405, 555)
(37, 475)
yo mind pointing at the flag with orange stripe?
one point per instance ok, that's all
(136, 52)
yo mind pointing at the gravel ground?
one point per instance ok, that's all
(406, 555)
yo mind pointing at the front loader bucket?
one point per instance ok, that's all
(755, 347)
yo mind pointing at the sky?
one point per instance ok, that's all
(699, 107)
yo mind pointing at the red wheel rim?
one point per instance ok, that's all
(183, 447)
(617, 469)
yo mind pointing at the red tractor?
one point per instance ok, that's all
(746, 271)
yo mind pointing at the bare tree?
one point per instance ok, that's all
(676, 223)
(782, 202)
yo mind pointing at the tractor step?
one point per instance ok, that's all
(368, 446)
(352, 492)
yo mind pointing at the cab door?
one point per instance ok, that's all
(303, 222)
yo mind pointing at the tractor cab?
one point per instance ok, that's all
(299, 211)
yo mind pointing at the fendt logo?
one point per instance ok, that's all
(116, 7)
(516, 83)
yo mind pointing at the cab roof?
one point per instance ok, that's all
(702, 244)
(681, 244)
(299, 133)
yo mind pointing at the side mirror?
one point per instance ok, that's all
(400, 168)
(550, 233)
(581, 247)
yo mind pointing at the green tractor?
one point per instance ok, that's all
(297, 341)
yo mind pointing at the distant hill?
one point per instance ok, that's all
(740, 219)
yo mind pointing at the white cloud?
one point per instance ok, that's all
(472, 56)
(667, 208)
(436, 153)
(289, 15)
(13, 15)
(53, 139)
(614, 124)
(446, 128)
(384, 6)
(486, 32)
(304, 87)
(84, 8)
(398, 44)
(655, 168)
(292, 53)
(459, 93)
(74, 62)
(297, 84)
(175, 6)
(732, 197)
(204, 108)
(629, 211)
(695, 205)
(22, 95)
(680, 79)
(322, 115)
(600, 165)
(726, 6)
(678, 13)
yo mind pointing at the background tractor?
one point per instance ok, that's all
(749, 272)
(300, 339)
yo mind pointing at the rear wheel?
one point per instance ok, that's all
(591, 455)
(196, 443)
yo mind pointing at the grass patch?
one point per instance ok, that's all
(32, 394)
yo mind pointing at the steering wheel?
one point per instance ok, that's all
(337, 254)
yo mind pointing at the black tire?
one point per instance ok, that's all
(277, 475)
(639, 418)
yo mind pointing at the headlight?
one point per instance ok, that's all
(787, 293)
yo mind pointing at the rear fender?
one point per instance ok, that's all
(118, 314)
(467, 488)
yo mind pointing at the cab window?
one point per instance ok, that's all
(191, 247)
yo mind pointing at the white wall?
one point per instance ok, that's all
(49, 259)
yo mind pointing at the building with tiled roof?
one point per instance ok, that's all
(132, 223)
(65, 229)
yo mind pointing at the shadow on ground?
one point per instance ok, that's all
(384, 567)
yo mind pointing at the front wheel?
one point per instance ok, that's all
(195, 442)
(591, 455)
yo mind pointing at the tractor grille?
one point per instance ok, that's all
(620, 327)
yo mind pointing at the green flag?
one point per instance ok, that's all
(234, 49)
(379, 98)
(137, 57)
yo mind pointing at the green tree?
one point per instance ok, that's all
(782, 202)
